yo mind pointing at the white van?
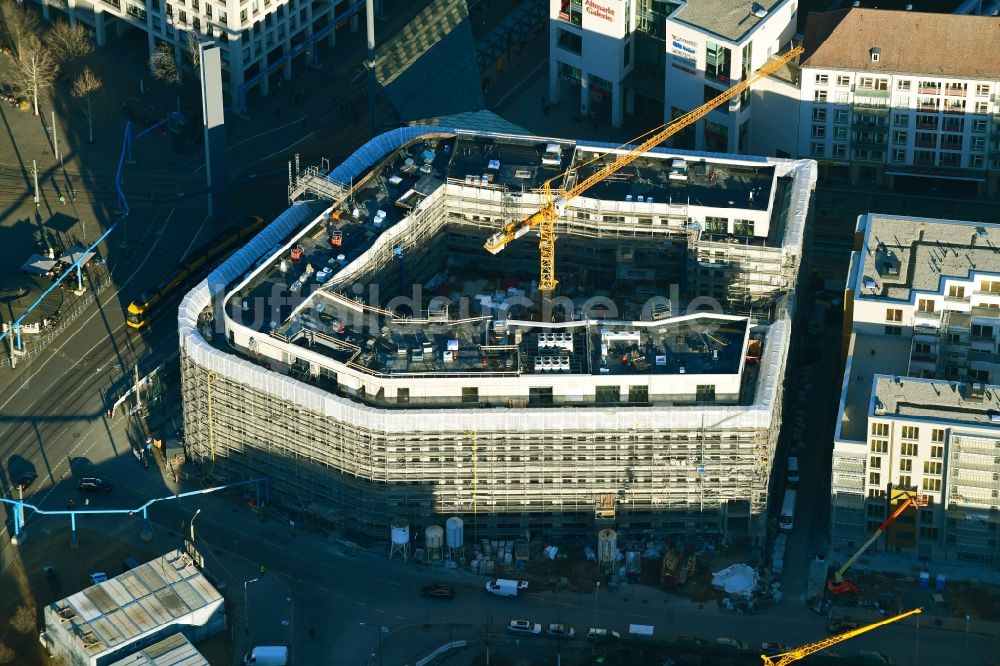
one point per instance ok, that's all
(267, 655)
(787, 518)
(793, 469)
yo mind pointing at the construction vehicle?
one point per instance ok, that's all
(554, 202)
(137, 314)
(805, 650)
(837, 584)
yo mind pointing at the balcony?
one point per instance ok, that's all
(927, 125)
(929, 90)
(956, 92)
(926, 318)
(858, 121)
(924, 143)
(871, 92)
(923, 161)
(927, 106)
(870, 142)
(877, 108)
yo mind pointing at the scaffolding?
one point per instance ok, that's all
(677, 470)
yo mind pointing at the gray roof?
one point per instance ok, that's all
(871, 354)
(156, 594)
(483, 120)
(935, 399)
(927, 251)
(173, 650)
(729, 19)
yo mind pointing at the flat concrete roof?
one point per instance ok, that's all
(907, 254)
(888, 354)
(730, 19)
(152, 595)
(931, 399)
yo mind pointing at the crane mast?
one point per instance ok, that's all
(554, 203)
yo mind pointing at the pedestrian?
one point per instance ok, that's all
(86, 502)
(262, 570)
(62, 200)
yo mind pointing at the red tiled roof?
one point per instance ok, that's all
(909, 42)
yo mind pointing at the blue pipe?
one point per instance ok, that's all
(69, 271)
(20, 504)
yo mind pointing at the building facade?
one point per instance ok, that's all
(710, 47)
(253, 36)
(646, 419)
(870, 97)
(866, 99)
(920, 406)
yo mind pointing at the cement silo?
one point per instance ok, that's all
(399, 536)
(434, 543)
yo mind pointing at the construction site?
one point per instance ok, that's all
(368, 355)
(389, 351)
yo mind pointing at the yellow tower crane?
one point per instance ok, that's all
(554, 203)
(805, 650)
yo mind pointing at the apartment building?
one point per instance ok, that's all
(879, 102)
(311, 357)
(920, 405)
(253, 34)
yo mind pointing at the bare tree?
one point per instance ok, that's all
(163, 65)
(36, 69)
(18, 23)
(193, 53)
(85, 85)
(24, 620)
(68, 42)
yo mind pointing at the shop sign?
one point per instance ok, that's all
(600, 11)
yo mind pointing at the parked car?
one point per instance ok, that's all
(691, 641)
(596, 634)
(771, 648)
(98, 577)
(25, 480)
(524, 627)
(130, 563)
(94, 484)
(438, 591)
(840, 626)
(730, 643)
(561, 631)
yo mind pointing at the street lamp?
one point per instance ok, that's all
(246, 606)
(596, 588)
(192, 525)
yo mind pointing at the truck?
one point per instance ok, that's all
(267, 655)
(504, 587)
(641, 631)
(787, 519)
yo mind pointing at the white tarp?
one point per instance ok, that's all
(736, 579)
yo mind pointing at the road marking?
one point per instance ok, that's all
(388, 582)
(322, 589)
(79, 327)
(277, 152)
(193, 239)
(399, 617)
(361, 603)
(379, 610)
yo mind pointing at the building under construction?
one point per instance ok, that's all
(373, 360)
